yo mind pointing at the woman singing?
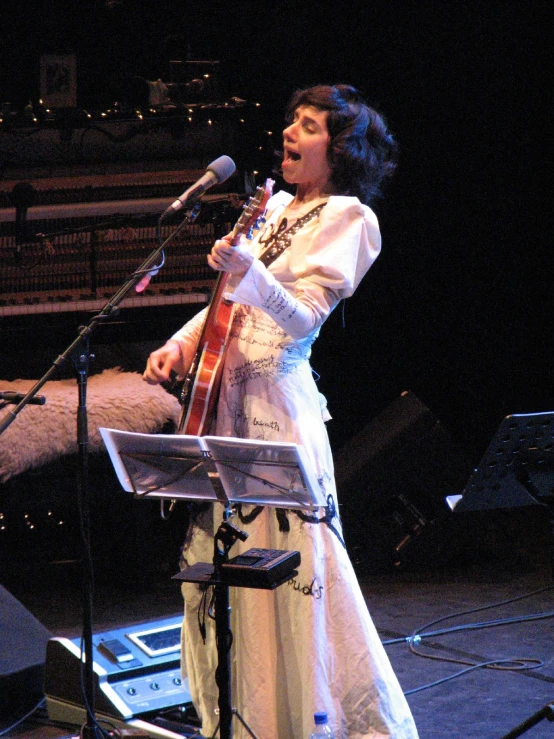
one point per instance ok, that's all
(309, 645)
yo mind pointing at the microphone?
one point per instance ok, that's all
(218, 171)
(11, 397)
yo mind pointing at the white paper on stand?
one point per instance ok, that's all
(176, 466)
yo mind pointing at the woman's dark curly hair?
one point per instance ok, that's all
(362, 151)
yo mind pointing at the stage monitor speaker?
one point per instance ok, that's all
(136, 672)
(392, 480)
(23, 642)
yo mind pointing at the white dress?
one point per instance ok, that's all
(310, 644)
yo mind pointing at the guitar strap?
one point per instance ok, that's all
(279, 240)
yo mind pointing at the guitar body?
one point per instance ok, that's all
(201, 386)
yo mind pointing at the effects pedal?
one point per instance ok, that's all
(260, 568)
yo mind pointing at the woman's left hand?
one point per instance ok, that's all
(233, 259)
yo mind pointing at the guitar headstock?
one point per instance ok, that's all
(253, 210)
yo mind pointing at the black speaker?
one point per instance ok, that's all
(392, 480)
(23, 642)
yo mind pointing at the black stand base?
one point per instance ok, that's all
(545, 712)
(243, 722)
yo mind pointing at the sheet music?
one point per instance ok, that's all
(265, 473)
(157, 464)
(179, 466)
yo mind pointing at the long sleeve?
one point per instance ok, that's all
(323, 265)
(188, 336)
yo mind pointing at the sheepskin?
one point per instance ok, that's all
(115, 399)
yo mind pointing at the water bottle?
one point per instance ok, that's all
(322, 730)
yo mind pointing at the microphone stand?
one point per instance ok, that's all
(79, 351)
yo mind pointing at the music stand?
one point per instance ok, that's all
(516, 470)
(225, 470)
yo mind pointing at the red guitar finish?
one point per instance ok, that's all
(201, 385)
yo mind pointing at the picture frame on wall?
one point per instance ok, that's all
(58, 80)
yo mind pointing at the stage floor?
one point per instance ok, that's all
(479, 704)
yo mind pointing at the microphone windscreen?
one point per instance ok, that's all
(223, 168)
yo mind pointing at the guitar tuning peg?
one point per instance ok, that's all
(250, 233)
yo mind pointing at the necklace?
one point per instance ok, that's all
(280, 239)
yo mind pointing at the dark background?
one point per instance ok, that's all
(457, 308)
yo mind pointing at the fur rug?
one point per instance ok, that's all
(115, 399)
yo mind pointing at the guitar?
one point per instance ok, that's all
(201, 385)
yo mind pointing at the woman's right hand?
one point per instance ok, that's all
(162, 361)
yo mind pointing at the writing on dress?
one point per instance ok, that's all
(240, 420)
(253, 319)
(247, 428)
(277, 301)
(256, 368)
(313, 589)
(324, 480)
(253, 341)
(273, 425)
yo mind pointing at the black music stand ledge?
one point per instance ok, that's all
(516, 470)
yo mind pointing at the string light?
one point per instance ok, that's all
(175, 119)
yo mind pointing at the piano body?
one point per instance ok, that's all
(78, 214)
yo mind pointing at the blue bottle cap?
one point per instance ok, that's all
(320, 717)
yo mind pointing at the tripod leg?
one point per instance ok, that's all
(243, 722)
(545, 712)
